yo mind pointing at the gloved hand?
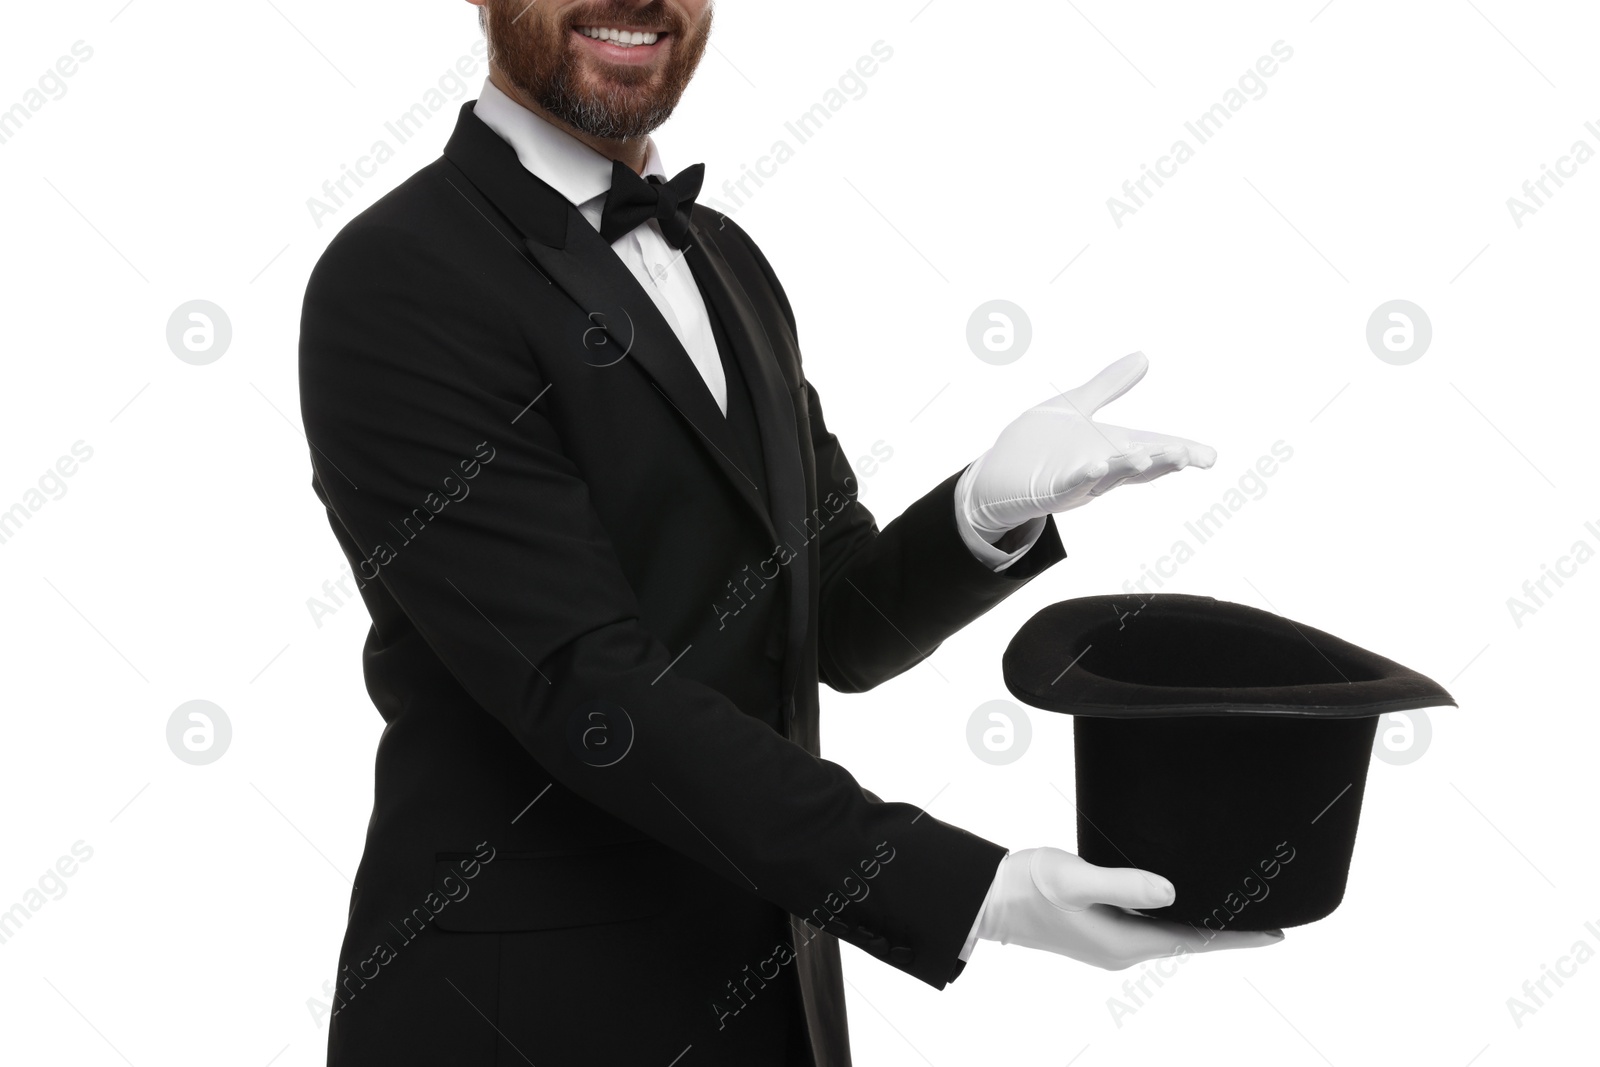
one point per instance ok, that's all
(1055, 457)
(1048, 899)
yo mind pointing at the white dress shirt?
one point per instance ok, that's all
(583, 176)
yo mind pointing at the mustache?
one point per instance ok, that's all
(658, 15)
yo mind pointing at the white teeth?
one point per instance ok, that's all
(625, 38)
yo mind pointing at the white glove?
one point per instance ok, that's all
(1055, 457)
(1048, 899)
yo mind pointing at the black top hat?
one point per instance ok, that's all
(1223, 747)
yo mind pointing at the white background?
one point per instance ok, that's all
(977, 165)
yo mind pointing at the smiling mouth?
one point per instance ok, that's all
(620, 37)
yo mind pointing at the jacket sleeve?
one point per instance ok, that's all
(888, 599)
(409, 377)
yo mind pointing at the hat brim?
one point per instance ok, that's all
(1169, 655)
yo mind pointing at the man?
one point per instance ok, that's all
(559, 420)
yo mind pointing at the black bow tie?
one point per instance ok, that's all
(634, 200)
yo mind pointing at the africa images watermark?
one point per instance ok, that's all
(1537, 190)
(855, 889)
(410, 528)
(1253, 888)
(51, 885)
(1210, 522)
(1536, 991)
(450, 86)
(1202, 128)
(1537, 591)
(51, 85)
(851, 85)
(411, 927)
(51, 485)
(741, 594)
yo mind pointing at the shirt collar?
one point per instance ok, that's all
(557, 158)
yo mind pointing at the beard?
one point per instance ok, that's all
(533, 48)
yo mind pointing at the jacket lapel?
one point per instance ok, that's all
(624, 323)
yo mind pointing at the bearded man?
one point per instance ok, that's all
(561, 427)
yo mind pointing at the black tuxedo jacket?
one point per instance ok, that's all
(601, 830)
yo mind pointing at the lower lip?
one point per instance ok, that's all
(638, 55)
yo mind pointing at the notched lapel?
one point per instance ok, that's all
(626, 326)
